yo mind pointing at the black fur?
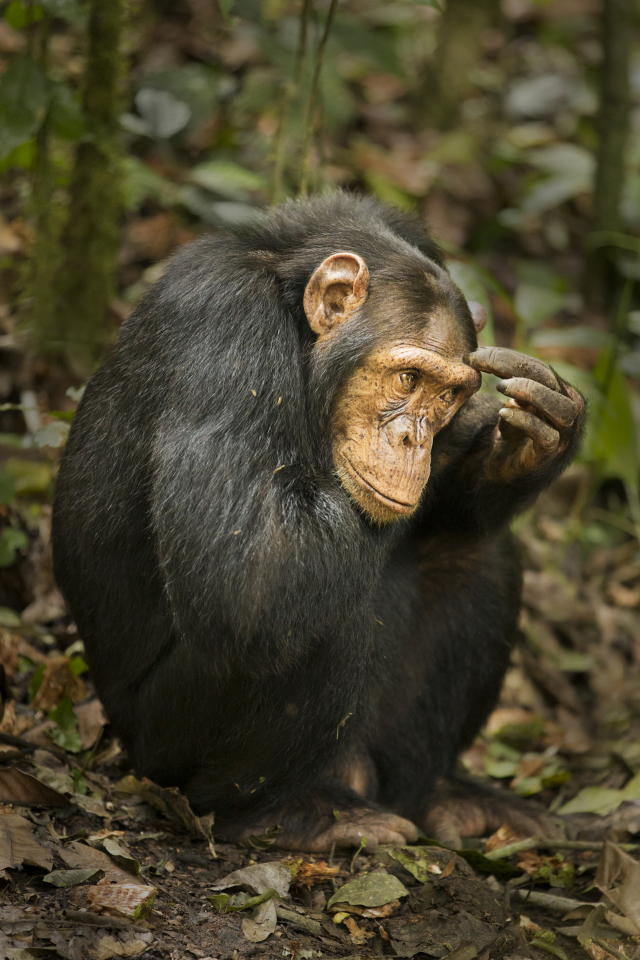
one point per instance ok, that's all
(235, 605)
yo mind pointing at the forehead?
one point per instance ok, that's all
(425, 309)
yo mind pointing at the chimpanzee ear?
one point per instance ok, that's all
(478, 315)
(335, 291)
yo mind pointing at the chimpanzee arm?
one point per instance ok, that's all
(254, 534)
(494, 458)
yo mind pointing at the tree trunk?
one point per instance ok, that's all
(613, 130)
(91, 236)
(459, 49)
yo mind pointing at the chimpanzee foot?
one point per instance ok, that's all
(351, 829)
(461, 808)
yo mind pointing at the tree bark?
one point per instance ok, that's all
(459, 49)
(91, 235)
(613, 130)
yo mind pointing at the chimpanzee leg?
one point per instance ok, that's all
(451, 634)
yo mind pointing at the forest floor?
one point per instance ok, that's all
(84, 846)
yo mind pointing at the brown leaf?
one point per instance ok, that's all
(17, 845)
(307, 874)
(618, 877)
(129, 900)
(80, 856)
(170, 802)
(503, 837)
(19, 787)
(58, 681)
(91, 720)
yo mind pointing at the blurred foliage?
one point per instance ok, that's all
(507, 186)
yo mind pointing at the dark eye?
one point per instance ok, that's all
(408, 381)
(450, 395)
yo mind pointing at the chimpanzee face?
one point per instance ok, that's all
(388, 411)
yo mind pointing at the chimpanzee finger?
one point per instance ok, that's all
(543, 436)
(509, 363)
(561, 410)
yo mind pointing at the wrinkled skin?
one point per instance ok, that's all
(403, 394)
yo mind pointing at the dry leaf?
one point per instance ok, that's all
(130, 900)
(273, 875)
(618, 877)
(262, 923)
(173, 804)
(306, 874)
(19, 787)
(80, 856)
(91, 721)
(58, 681)
(17, 845)
(503, 837)
(358, 936)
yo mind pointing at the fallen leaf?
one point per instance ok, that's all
(17, 845)
(422, 862)
(503, 837)
(370, 890)
(259, 878)
(130, 900)
(91, 721)
(262, 923)
(358, 936)
(601, 800)
(19, 787)
(70, 878)
(307, 874)
(618, 877)
(58, 681)
(173, 804)
(79, 856)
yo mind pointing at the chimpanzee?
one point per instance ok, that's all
(281, 524)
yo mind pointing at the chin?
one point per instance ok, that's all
(378, 509)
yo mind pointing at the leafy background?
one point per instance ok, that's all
(513, 128)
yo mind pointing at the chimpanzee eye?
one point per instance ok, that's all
(449, 395)
(408, 380)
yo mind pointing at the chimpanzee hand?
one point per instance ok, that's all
(539, 421)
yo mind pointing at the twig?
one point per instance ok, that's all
(290, 93)
(614, 953)
(311, 103)
(533, 842)
(552, 902)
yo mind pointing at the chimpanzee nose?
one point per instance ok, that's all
(410, 431)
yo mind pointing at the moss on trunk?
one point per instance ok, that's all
(90, 238)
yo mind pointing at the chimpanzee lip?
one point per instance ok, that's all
(398, 506)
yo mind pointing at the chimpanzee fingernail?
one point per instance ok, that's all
(500, 385)
(506, 413)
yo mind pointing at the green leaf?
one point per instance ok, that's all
(66, 735)
(371, 890)
(7, 488)
(71, 10)
(19, 15)
(65, 113)
(63, 714)
(465, 276)
(535, 304)
(78, 665)
(10, 542)
(611, 440)
(35, 682)
(24, 98)
(71, 878)
(31, 477)
(226, 6)
(228, 179)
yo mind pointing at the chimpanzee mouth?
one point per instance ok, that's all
(396, 505)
